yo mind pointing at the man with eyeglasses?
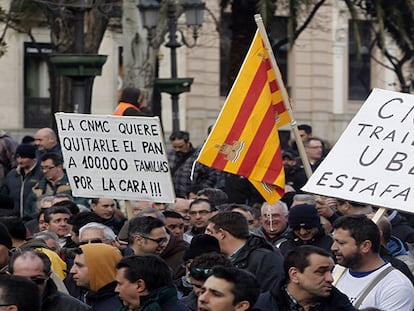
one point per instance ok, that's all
(274, 222)
(36, 266)
(200, 211)
(314, 148)
(305, 229)
(18, 294)
(147, 235)
(54, 181)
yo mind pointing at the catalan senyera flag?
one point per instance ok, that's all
(244, 140)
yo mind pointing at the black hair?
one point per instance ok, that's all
(151, 269)
(215, 195)
(202, 265)
(130, 95)
(19, 291)
(245, 285)
(235, 223)
(200, 200)
(79, 220)
(142, 225)
(180, 135)
(15, 226)
(70, 205)
(298, 257)
(56, 210)
(361, 228)
(172, 214)
(306, 128)
(56, 158)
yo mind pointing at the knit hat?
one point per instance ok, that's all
(130, 95)
(5, 238)
(26, 151)
(201, 244)
(303, 216)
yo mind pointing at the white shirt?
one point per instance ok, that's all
(394, 292)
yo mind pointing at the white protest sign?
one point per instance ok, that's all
(373, 160)
(116, 157)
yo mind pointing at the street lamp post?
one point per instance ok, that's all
(78, 66)
(194, 10)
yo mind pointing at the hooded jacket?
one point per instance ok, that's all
(160, 299)
(260, 258)
(101, 260)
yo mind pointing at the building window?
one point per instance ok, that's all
(359, 67)
(36, 85)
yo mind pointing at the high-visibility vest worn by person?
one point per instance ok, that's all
(120, 109)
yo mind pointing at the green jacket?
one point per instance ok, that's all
(46, 187)
(161, 299)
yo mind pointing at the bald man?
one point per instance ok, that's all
(46, 141)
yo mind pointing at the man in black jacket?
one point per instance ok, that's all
(308, 283)
(37, 267)
(248, 252)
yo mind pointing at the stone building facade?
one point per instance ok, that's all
(317, 70)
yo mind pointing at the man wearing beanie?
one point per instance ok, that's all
(94, 270)
(5, 246)
(20, 181)
(200, 244)
(305, 229)
(131, 103)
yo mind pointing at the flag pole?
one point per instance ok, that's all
(285, 96)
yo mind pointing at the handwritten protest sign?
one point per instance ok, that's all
(117, 157)
(373, 160)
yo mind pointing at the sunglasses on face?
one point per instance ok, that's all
(199, 274)
(38, 280)
(90, 241)
(305, 227)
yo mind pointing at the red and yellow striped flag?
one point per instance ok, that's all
(245, 140)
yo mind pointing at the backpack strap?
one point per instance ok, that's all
(371, 285)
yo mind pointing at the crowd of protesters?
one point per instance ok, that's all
(218, 247)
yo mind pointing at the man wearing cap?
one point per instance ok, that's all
(305, 229)
(20, 181)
